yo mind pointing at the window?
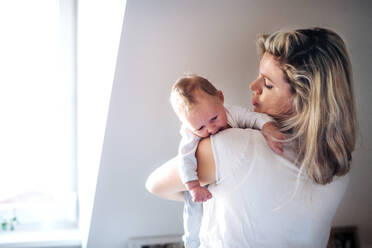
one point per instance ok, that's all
(38, 113)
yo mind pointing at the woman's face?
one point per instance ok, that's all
(271, 92)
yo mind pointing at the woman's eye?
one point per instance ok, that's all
(214, 118)
(267, 85)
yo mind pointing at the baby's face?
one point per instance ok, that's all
(208, 116)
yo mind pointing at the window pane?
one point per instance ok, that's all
(37, 106)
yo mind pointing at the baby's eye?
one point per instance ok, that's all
(214, 118)
(201, 128)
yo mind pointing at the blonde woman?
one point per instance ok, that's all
(262, 199)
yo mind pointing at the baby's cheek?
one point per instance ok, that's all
(225, 124)
(203, 135)
(206, 135)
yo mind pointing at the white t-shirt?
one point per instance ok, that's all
(236, 117)
(252, 204)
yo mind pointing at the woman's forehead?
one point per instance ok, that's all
(270, 68)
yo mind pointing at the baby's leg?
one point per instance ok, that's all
(192, 215)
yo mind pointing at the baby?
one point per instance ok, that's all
(199, 106)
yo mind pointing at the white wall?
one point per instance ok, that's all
(216, 39)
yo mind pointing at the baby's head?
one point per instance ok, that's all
(199, 105)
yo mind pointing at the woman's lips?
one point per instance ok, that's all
(254, 102)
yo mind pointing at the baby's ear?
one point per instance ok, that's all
(220, 96)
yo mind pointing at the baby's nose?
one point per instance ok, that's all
(213, 130)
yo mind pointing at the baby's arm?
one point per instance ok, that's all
(188, 166)
(244, 118)
(273, 136)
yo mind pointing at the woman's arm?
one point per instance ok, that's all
(165, 181)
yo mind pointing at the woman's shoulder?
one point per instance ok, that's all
(237, 139)
(235, 149)
(224, 148)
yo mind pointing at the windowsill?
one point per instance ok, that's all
(51, 239)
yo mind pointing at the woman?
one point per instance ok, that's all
(261, 199)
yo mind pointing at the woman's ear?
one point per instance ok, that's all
(220, 96)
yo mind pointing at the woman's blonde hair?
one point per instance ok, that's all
(322, 121)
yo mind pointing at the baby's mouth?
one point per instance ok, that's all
(223, 128)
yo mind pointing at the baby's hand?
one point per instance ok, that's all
(200, 194)
(271, 132)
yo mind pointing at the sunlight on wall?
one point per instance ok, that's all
(99, 29)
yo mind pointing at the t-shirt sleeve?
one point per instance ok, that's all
(233, 151)
(186, 154)
(245, 118)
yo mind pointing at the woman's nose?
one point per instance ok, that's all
(255, 86)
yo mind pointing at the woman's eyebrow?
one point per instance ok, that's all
(266, 76)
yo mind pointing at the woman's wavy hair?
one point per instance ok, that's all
(322, 121)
